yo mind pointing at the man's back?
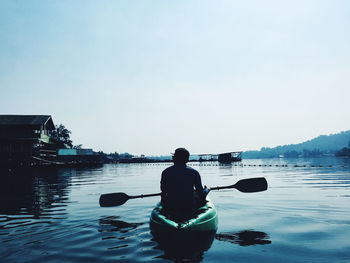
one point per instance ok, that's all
(177, 185)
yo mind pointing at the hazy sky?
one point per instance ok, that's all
(146, 77)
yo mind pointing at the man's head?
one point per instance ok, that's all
(181, 156)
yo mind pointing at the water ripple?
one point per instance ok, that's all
(53, 215)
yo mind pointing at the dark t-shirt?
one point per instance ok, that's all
(177, 184)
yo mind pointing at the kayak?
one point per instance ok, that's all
(203, 219)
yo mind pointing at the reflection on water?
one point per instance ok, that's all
(184, 247)
(53, 215)
(112, 224)
(33, 191)
(245, 238)
(111, 228)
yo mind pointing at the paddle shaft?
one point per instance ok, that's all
(157, 194)
(211, 189)
(142, 196)
(223, 187)
(246, 185)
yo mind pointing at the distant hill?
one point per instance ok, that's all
(324, 145)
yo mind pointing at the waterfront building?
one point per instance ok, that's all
(24, 139)
(79, 156)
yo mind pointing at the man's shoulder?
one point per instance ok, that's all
(192, 170)
(176, 169)
(166, 170)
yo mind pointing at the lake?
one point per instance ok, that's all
(53, 215)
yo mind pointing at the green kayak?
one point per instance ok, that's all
(204, 219)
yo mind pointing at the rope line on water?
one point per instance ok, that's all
(249, 165)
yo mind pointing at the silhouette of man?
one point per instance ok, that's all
(178, 183)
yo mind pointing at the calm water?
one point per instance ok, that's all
(54, 215)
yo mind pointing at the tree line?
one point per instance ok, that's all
(60, 137)
(324, 145)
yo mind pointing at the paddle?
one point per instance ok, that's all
(251, 185)
(116, 199)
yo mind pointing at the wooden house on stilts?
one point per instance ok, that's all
(24, 139)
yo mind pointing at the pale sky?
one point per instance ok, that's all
(146, 77)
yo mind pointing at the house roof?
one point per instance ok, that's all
(75, 152)
(27, 120)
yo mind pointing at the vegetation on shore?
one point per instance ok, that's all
(345, 152)
(324, 145)
(61, 137)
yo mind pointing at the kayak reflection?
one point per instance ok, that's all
(113, 224)
(245, 238)
(184, 247)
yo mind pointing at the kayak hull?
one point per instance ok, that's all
(204, 219)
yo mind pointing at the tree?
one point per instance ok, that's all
(61, 137)
(343, 152)
(291, 154)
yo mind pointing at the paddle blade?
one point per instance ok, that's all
(251, 185)
(114, 199)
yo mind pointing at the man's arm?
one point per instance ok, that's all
(199, 187)
(163, 187)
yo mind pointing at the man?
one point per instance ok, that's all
(178, 183)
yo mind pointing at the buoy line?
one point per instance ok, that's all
(247, 165)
